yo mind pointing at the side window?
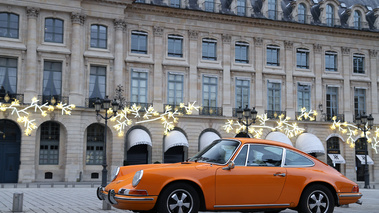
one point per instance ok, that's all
(240, 160)
(263, 155)
(296, 159)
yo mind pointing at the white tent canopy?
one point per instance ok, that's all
(175, 138)
(310, 143)
(138, 137)
(280, 137)
(207, 138)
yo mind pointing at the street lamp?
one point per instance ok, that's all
(248, 115)
(106, 105)
(365, 124)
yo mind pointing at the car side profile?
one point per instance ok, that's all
(236, 174)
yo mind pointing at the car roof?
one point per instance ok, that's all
(262, 141)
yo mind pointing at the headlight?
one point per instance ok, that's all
(137, 178)
(115, 173)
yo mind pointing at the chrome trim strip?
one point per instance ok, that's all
(356, 195)
(257, 205)
(134, 199)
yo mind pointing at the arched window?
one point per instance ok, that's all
(329, 15)
(9, 25)
(99, 36)
(95, 144)
(357, 20)
(360, 149)
(302, 10)
(49, 145)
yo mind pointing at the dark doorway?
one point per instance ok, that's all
(10, 144)
(137, 154)
(174, 155)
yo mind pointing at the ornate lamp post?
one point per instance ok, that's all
(106, 105)
(247, 114)
(365, 124)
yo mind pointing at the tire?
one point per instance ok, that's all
(316, 198)
(178, 197)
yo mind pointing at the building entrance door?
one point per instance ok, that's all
(10, 144)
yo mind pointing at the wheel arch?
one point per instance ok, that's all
(327, 185)
(192, 184)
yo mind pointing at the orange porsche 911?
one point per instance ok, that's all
(241, 174)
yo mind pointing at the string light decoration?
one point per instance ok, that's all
(168, 118)
(23, 114)
(282, 125)
(351, 130)
(304, 114)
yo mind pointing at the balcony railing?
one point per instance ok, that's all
(304, 118)
(340, 117)
(53, 99)
(175, 107)
(8, 98)
(273, 114)
(212, 111)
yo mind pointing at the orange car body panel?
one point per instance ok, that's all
(239, 188)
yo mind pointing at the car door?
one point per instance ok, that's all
(257, 179)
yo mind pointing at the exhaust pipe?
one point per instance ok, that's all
(359, 202)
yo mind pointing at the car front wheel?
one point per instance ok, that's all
(178, 198)
(316, 199)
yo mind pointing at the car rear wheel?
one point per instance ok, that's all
(316, 199)
(178, 198)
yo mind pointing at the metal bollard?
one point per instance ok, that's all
(18, 199)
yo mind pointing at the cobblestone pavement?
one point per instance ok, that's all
(82, 199)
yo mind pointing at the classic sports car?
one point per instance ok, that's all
(233, 174)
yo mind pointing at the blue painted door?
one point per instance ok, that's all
(10, 144)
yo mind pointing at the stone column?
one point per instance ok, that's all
(193, 61)
(318, 70)
(76, 69)
(346, 93)
(31, 55)
(226, 97)
(373, 100)
(119, 54)
(259, 105)
(159, 51)
(289, 98)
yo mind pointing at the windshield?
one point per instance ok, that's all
(220, 151)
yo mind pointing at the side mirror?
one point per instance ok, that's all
(230, 166)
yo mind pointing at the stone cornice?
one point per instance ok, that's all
(251, 22)
(118, 2)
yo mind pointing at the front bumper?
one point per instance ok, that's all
(140, 203)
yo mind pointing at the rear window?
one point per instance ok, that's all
(296, 159)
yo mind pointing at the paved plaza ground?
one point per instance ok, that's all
(81, 198)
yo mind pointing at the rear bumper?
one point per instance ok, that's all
(137, 203)
(347, 198)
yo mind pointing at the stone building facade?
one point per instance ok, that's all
(275, 55)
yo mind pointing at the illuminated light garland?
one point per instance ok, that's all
(311, 115)
(351, 130)
(22, 114)
(168, 118)
(289, 129)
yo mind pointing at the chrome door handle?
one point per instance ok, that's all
(280, 174)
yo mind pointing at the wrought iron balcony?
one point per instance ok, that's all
(339, 117)
(53, 99)
(212, 111)
(273, 114)
(174, 107)
(8, 98)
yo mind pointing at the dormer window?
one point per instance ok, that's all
(357, 20)
(329, 15)
(302, 13)
(272, 9)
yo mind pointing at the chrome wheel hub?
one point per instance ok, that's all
(180, 201)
